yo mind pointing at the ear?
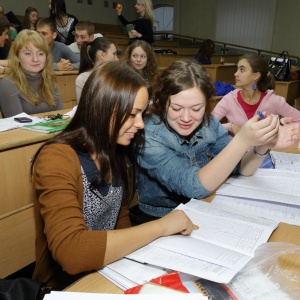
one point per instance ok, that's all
(256, 76)
(91, 38)
(101, 54)
(54, 35)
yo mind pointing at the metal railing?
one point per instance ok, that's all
(220, 47)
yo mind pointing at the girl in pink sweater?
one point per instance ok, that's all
(255, 92)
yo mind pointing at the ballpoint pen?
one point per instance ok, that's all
(261, 115)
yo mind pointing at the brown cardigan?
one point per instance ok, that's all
(65, 248)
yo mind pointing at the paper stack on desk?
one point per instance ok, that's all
(286, 161)
(223, 245)
(269, 193)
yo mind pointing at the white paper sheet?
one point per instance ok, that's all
(279, 212)
(225, 240)
(96, 296)
(126, 273)
(10, 123)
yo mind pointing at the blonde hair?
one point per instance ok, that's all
(48, 81)
(148, 10)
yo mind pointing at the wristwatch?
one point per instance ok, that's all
(2, 69)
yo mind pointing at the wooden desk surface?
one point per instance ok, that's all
(96, 283)
(19, 137)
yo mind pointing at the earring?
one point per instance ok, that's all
(254, 86)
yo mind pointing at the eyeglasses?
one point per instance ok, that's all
(55, 117)
(142, 56)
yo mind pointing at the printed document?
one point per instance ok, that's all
(224, 243)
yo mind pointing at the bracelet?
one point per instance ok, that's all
(260, 155)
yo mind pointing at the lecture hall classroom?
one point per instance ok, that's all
(266, 38)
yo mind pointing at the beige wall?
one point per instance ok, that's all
(287, 27)
(191, 17)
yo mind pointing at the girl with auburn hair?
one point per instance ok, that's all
(30, 19)
(143, 26)
(140, 55)
(91, 55)
(84, 181)
(30, 85)
(187, 152)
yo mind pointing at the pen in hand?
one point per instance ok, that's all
(261, 115)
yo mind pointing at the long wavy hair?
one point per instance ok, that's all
(148, 10)
(106, 103)
(25, 39)
(88, 52)
(258, 64)
(151, 69)
(26, 22)
(180, 76)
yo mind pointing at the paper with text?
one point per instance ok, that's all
(279, 212)
(224, 239)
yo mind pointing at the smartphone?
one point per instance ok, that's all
(23, 120)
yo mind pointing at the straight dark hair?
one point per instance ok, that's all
(106, 103)
(88, 52)
(58, 9)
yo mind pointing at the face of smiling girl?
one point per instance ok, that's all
(135, 121)
(32, 59)
(185, 111)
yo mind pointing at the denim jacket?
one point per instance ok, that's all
(169, 165)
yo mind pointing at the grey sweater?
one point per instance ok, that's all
(59, 51)
(13, 102)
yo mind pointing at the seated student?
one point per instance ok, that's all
(254, 92)
(84, 32)
(187, 152)
(84, 182)
(30, 85)
(205, 52)
(30, 19)
(63, 58)
(4, 47)
(93, 53)
(13, 20)
(140, 55)
(64, 22)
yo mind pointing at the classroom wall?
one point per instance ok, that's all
(270, 24)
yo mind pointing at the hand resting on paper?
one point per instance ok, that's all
(177, 222)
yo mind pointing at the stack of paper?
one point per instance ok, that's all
(286, 161)
(223, 245)
(273, 194)
(93, 296)
(10, 123)
(126, 273)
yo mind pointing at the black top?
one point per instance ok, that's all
(4, 52)
(202, 60)
(142, 26)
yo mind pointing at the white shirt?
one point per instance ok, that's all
(79, 83)
(74, 46)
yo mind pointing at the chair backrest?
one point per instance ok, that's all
(17, 240)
